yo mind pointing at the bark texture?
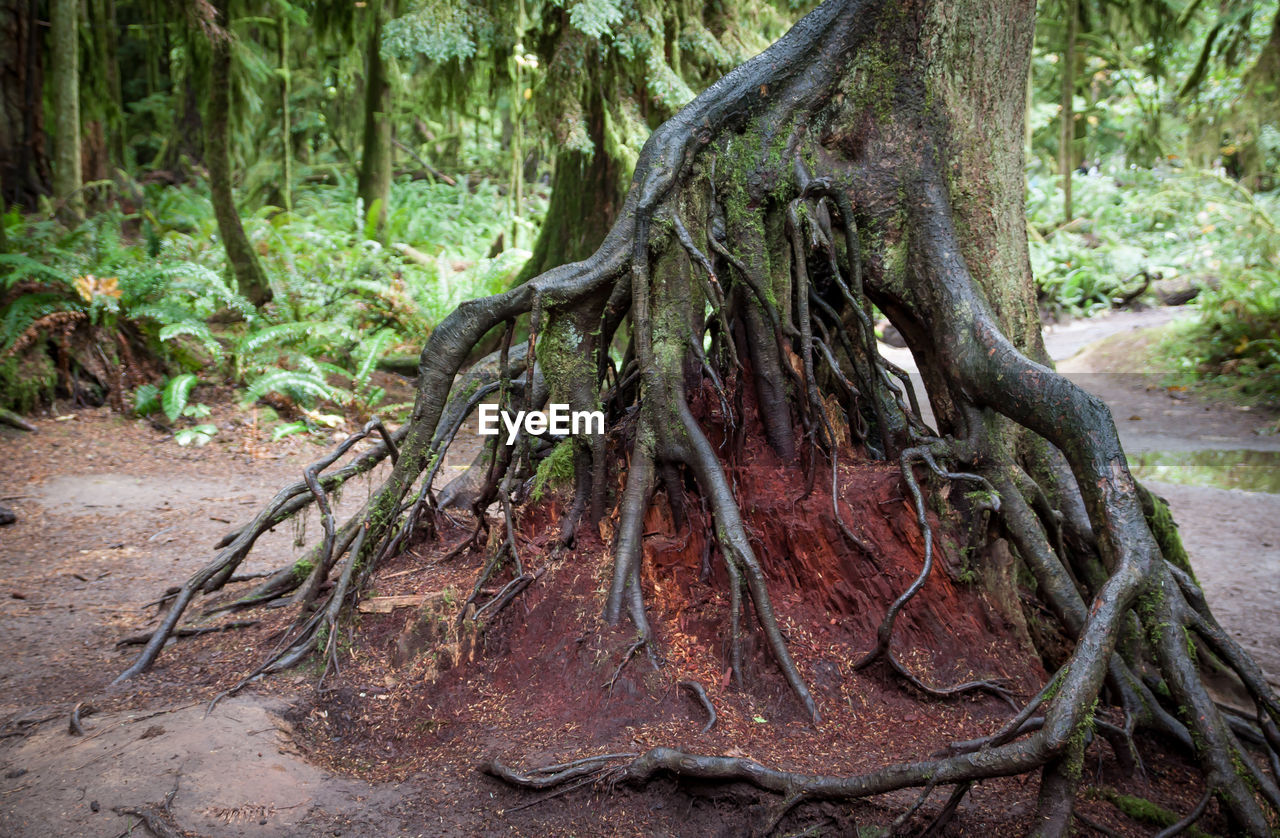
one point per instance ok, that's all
(24, 164)
(250, 277)
(374, 186)
(64, 21)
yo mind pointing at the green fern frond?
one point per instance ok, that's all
(372, 352)
(27, 309)
(176, 394)
(199, 331)
(17, 267)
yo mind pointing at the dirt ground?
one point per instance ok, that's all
(111, 512)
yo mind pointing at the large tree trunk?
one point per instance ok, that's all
(104, 114)
(24, 165)
(585, 199)
(872, 155)
(374, 187)
(64, 75)
(250, 277)
(1261, 107)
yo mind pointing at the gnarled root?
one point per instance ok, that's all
(763, 223)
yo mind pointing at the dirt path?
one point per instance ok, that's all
(111, 512)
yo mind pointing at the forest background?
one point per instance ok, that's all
(285, 196)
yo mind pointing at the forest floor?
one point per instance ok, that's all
(111, 512)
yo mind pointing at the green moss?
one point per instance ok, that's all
(1149, 606)
(1191, 645)
(302, 568)
(27, 379)
(1143, 810)
(555, 470)
(1079, 737)
(1165, 530)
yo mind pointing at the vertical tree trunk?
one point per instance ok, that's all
(24, 164)
(375, 163)
(250, 277)
(1067, 139)
(983, 89)
(65, 77)
(1261, 106)
(586, 193)
(106, 108)
(286, 131)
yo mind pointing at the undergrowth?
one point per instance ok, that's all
(153, 267)
(1188, 225)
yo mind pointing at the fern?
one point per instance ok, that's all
(176, 394)
(199, 331)
(374, 349)
(285, 333)
(298, 385)
(17, 267)
(26, 310)
(146, 399)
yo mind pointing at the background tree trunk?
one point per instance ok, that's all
(24, 164)
(250, 277)
(64, 20)
(586, 194)
(374, 186)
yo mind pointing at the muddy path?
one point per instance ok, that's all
(111, 512)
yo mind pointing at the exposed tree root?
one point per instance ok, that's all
(764, 222)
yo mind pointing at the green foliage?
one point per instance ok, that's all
(176, 392)
(554, 471)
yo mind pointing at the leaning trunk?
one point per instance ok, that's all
(250, 277)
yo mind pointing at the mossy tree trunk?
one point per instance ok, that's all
(871, 156)
(249, 275)
(374, 187)
(64, 76)
(586, 194)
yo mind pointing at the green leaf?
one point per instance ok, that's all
(198, 435)
(146, 399)
(197, 330)
(282, 431)
(373, 352)
(176, 393)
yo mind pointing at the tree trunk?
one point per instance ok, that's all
(1066, 154)
(870, 156)
(374, 187)
(185, 148)
(24, 165)
(286, 129)
(104, 112)
(64, 75)
(250, 278)
(585, 199)
(1261, 107)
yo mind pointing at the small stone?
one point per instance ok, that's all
(93, 806)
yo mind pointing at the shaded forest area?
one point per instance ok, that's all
(282, 196)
